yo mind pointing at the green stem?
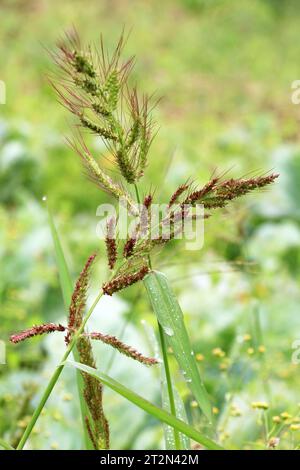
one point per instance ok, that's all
(165, 356)
(55, 376)
(169, 383)
(139, 201)
(137, 193)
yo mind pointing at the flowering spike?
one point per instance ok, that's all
(148, 201)
(94, 87)
(124, 280)
(216, 194)
(123, 348)
(35, 331)
(78, 299)
(93, 397)
(179, 191)
(96, 129)
(129, 247)
(110, 241)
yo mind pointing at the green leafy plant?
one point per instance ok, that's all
(95, 87)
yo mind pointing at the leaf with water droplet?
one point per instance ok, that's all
(171, 319)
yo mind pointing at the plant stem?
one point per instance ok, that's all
(165, 356)
(56, 376)
(169, 383)
(137, 193)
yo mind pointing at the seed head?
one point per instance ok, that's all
(78, 299)
(35, 331)
(148, 201)
(217, 194)
(110, 241)
(176, 195)
(124, 280)
(129, 247)
(123, 348)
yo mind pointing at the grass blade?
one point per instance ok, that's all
(147, 406)
(171, 319)
(180, 414)
(66, 285)
(5, 445)
(172, 437)
(166, 397)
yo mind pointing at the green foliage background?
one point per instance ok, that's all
(224, 69)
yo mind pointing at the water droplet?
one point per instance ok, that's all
(168, 331)
(44, 198)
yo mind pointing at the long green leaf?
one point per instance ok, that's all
(171, 440)
(147, 406)
(180, 414)
(171, 319)
(5, 445)
(67, 289)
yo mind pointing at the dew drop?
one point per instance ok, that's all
(168, 331)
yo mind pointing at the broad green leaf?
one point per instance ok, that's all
(147, 406)
(5, 445)
(171, 319)
(66, 285)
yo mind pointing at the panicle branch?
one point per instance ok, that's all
(36, 330)
(110, 242)
(78, 299)
(124, 280)
(123, 348)
(217, 194)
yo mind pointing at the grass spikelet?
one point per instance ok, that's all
(36, 330)
(176, 195)
(124, 280)
(129, 247)
(123, 348)
(110, 242)
(78, 299)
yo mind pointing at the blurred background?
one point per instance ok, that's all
(224, 70)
